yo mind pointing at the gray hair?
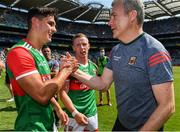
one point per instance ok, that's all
(130, 5)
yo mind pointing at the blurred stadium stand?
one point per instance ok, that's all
(86, 19)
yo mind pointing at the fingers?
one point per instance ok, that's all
(68, 55)
(85, 120)
(81, 119)
(64, 118)
(70, 62)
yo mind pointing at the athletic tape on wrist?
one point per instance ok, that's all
(74, 113)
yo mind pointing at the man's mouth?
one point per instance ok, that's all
(83, 52)
(50, 35)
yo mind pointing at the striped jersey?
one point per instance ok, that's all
(81, 95)
(24, 60)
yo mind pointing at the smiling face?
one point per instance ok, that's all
(45, 28)
(81, 47)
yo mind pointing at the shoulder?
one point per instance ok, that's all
(18, 52)
(106, 57)
(54, 62)
(116, 47)
(151, 42)
(114, 50)
(93, 64)
(152, 46)
(20, 61)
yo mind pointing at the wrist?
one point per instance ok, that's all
(57, 109)
(65, 71)
(74, 113)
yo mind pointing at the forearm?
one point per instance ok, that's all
(54, 85)
(80, 118)
(66, 101)
(55, 104)
(62, 77)
(49, 88)
(158, 118)
(93, 82)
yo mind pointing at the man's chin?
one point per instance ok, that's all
(114, 36)
(49, 40)
(83, 56)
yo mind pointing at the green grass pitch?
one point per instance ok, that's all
(106, 114)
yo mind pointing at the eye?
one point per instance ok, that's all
(84, 44)
(51, 23)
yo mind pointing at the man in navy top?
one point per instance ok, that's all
(141, 69)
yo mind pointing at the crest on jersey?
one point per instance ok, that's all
(132, 60)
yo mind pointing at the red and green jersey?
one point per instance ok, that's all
(23, 60)
(81, 95)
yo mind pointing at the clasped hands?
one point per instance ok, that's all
(69, 62)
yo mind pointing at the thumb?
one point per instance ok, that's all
(68, 55)
(86, 120)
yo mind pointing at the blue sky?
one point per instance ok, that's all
(106, 3)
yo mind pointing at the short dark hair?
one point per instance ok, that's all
(44, 47)
(40, 13)
(101, 48)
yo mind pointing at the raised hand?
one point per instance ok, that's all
(69, 62)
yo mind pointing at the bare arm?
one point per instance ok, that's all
(60, 113)
(99, 83)
(79, 117)
(41, 91)
(31, 81)
(164, 94)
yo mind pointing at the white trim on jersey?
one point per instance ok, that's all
(26, 74)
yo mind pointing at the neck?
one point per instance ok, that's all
(82, 60)
(131, 35)
(34, 41)
(48, 59)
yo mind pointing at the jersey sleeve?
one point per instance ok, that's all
(160, 67)
(21, 63)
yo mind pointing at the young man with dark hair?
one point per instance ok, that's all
(30, 77)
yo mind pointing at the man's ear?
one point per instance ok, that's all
(34, 21)
(73, 47)
(133, 16)
(89, 46)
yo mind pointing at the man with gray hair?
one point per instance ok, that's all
(141, 69)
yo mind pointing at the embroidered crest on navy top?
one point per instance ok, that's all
(132, 60)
